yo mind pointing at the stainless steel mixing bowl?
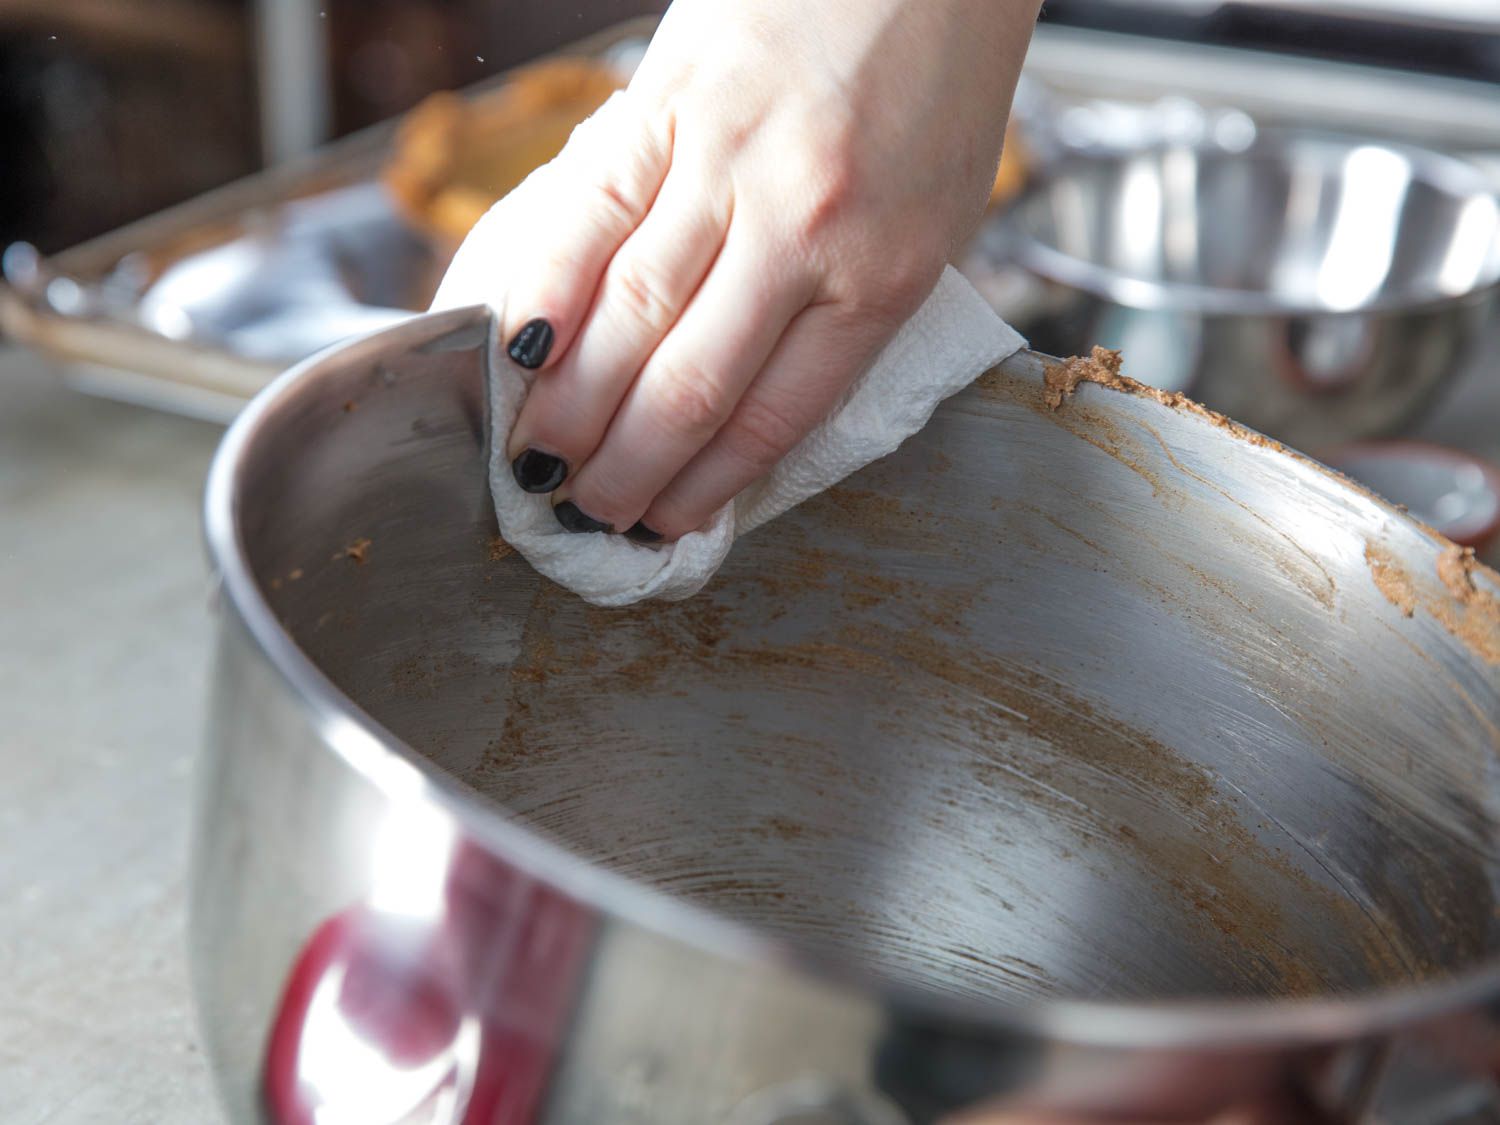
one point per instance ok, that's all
(1099, 757)
(1318, 288)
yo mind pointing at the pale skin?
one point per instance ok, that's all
(726, 245)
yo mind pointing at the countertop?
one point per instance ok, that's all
(104, 648)
(105, 637)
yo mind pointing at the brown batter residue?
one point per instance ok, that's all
(1469, 613)
(1390, 579)
(1477, 623)
(359, 551)
(1456, 567)
(1032, 737)
(1102, 366)
(499, 549)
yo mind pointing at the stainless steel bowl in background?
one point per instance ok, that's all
(1105, 757)
(1318, 288)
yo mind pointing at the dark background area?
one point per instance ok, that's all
(113, 109)
(110, 109)
(388, 54)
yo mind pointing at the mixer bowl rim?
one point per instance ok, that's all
(1452, 174)
(399, 772)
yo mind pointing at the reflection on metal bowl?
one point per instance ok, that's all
(1105, 756)
(1316, 288)
(1452, 491)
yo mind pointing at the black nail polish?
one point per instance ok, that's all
(640, 533)
(572, 517)
(530, 346)
(536, 471)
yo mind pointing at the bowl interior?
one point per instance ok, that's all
(1100, 702)
(1307, 223)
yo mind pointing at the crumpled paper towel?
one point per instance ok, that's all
(951, 340)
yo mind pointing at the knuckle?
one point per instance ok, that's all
(761, 433)
(824, 174)
(688, 401)
(634, 287)
(617, 203)
(828, 196)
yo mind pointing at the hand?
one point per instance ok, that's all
(726, 245)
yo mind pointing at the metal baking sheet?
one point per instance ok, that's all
(197, 308)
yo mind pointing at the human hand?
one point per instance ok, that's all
(725, 246)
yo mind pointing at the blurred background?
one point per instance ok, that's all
(349, 174)
(1285, 208)
(85, 85)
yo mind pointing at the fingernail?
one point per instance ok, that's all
(640, 533)
(530, 346)
(536, 471)
(572, 517)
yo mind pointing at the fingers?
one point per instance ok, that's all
(646, 286)
(537, 256)
(689, 387)
(822, 352)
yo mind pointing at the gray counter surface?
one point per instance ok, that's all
(104, 644)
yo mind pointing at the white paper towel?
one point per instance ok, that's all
(952, 339)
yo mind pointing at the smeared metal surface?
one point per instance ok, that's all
(1473, 616)
(1462, 600)
(1097, 701)
(1102, 366)
(1390, 579)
